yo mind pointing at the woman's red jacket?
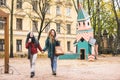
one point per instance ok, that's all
(33, 47)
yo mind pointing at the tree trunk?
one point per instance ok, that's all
(99, 27)
(11, 30)
(118, 23)
(89, 7)
(94, 18)
(41, 27)
(83, 3)
(76, 7)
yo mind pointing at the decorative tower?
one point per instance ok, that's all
(84, 39)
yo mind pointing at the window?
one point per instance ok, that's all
(68, 11)
(68, 29)
(79, 23)
(18, 24)
(68, 45)
(34, 26)
(47, 27)
(34, 3)
(2, 47)
(2, 2)
(88, 23)
(58, 0)
(58, 27)
(19, 45)
(2, 24)
(19, 4)
(58, 10)
(48, 9)
(83, 23)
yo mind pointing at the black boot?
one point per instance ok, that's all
(54, 73)
(32, 74)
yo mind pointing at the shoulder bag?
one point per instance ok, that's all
(59, 51)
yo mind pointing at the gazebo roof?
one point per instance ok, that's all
(82, 14)
(3, 14)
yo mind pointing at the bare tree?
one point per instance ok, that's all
(11, 30)
(76, 6)
(11, 26)
(40, 8)
(89, 7)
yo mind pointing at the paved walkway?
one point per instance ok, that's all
(105, 68)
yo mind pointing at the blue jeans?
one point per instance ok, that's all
(54, 63)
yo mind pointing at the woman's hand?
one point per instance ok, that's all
(42, 52)
(29, 40)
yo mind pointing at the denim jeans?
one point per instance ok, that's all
(54, 63)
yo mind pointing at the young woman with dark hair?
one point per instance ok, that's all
(32, 44)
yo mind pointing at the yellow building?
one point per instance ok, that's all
(62, 12)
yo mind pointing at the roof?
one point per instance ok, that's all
(3, 14)
(82, 15)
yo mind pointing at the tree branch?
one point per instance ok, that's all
(75, 6)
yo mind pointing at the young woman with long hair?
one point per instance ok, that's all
(50, 44)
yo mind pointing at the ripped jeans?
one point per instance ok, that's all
(33, 58)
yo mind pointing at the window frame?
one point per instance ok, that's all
(58, 27)
(19, 4)
(35, 5)
(2, 45)
(2, 24)
(19, 24)
(68, 28)
(68, 45)
(18, 44)
(48, 9)
(58, 11)
(34, 26)
(68, 11)
(2, 2)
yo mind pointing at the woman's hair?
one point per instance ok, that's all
(51, 31)
(52, 38)
(28, 36)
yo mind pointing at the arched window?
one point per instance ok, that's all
(79, 23)
(88, 23)
(83, 23)
(82, 39)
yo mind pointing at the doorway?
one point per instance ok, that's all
(82, 54)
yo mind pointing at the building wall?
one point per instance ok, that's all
(27, 24)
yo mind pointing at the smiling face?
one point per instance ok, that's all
(52, 33)
(31, 34)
